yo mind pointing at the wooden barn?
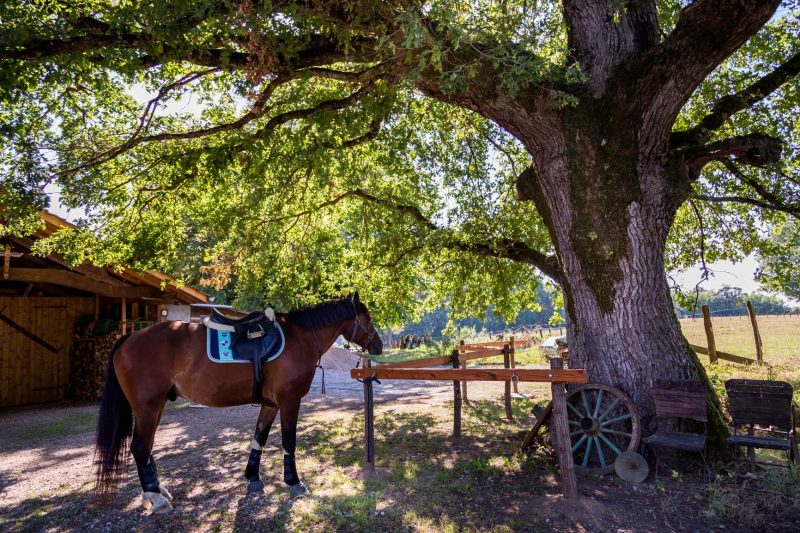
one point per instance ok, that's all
(57, 322)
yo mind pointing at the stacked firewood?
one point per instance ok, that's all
(88, 362)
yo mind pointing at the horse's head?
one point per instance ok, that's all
(363, 332)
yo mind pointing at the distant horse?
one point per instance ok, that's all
(150, 366)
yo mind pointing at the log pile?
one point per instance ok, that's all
(88, 362)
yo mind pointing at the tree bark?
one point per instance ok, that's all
(609, 201)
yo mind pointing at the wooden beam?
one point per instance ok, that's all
(724, 355)
(418, 363)
(31, 335)
(77, 281)
(6, 260)
(498, 344)
(473, 374)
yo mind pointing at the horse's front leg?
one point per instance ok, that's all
(265, 418)
(289, 412)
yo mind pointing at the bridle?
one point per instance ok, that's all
(357, 325)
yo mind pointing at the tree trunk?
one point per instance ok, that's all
(609, 204)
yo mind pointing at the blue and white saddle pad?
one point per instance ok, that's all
(225, 345)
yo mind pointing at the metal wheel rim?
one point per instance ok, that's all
(603, 422)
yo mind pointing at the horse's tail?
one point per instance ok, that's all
(114, 428)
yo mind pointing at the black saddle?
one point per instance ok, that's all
(253, 338)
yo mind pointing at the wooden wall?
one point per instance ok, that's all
(29, 372)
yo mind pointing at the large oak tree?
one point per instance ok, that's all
(453, 149)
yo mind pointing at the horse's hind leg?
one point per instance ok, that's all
(289, 411)
(154, 497)
(265, 419)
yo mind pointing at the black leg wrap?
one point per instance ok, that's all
(145, 467)
(251, 471)
(290, 476)
(148, 476)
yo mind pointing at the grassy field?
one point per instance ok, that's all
(780, 336)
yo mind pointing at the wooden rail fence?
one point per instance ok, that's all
(714, 355)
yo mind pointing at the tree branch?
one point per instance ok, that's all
(789, 210)
(756, 149)
(707, 33)
(731, 104)
(501, 248)
(772, 199)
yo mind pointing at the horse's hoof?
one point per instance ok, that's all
(156, 503)
(164, 492)
(255, 485)
(295, 491)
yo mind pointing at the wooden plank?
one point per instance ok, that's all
(469, 348)
(540, 420)
(80, 282)
(712, 346)
(724, 355)
(417, 363)
(28, 333)
(480, 354)
(473, 374)
(498, 344)
(756, 333)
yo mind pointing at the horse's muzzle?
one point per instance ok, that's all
(375, 347)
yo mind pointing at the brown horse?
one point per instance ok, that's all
(150, 366)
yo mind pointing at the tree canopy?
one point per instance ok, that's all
(295, 150)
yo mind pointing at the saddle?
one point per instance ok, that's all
(255, 338)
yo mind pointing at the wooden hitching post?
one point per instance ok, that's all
(369, 422)
(514, 364)
(507, 364)
(712, 346)
(124, 315)
(756, 333)
(456, 399)
(464, 383)
(559, 427)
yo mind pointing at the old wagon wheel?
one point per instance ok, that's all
(603, 423)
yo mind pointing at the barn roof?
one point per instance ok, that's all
(52, 270)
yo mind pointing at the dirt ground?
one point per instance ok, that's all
(425, 481)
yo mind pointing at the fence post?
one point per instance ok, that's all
(756, 333)
(514, 363)
(712, 346)
(560, 429)
(456, 399)
(464, 383)
(369, 421)
(507, 364)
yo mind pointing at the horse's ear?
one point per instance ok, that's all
(355, 297)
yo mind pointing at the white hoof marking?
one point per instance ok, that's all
(156, 503)
(164, 492)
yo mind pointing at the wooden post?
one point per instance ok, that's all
(456, 399)
(756, 333)
(369, 422)
(6, 261)
(712, 346)
(96, 307)
(507, 364)
(124, 315)
(464, 383)
(560, 429)
(514, 364)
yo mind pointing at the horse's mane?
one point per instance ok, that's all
(324, 314)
